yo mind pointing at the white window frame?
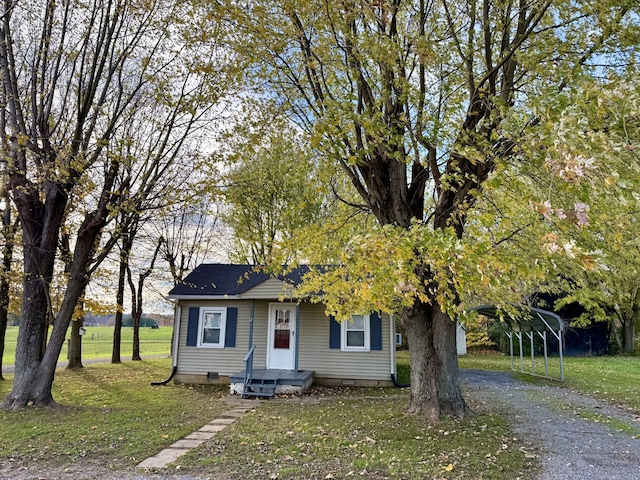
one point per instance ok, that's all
(367, 336)
(223, 325)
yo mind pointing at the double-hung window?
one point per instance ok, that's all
(356, 333)
(211, 327)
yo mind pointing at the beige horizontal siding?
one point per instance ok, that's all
(224, 361)
(316, 355)
(313, 337)
(260, 327)
(271, 289)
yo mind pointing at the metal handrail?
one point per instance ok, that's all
(248, 368)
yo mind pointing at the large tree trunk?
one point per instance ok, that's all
(117, 327)
(135, 356)
(623, 331)
(3, 327)
(629, 335)
(30, 379)
(435, 387)
(35, 371)
(136, 314)
(75, 345)
(616, 332)
(35, 368)
(117, 337)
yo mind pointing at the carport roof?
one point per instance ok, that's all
(525, 319)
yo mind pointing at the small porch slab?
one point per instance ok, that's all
(286, 381)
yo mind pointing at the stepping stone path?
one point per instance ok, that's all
(197, 438)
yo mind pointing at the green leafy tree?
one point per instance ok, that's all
(419, 102)
(77, 79)
(594, 214)
(271, 192)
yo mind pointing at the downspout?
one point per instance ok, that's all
(296, 341)
(399, 385)
(176, 338)
(253, 304)
(392, 341)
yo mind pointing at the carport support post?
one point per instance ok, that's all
(546, 361)
(521, 353)
(561, 360)
(560, 338)
(533, 364)
(510, 335)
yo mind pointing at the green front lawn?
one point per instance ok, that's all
(98, 343)
(111, 416)
(361, 437)
(108, 413)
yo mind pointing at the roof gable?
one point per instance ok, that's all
(214, 279)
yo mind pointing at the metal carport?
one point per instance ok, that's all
(528, 320)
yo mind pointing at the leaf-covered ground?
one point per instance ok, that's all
(361, 436)
(110, 419)
(107, 412)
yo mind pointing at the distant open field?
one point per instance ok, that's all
(98, 343)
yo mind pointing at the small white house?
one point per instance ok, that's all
(233, 326)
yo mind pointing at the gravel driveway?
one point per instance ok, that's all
(575, 436)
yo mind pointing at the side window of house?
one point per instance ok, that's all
(211, 327)
(355, 333)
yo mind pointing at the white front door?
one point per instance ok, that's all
(281, 336)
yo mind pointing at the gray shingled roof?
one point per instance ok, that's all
(218, 279)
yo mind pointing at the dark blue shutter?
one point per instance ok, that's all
(375, 324)
(192, 326)
(334, 333)
(232, 323)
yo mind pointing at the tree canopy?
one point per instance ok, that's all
(96, 100)
(475, 148)
(420, 103)
(271, 190)
(593, 153)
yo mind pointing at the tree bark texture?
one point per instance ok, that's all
(137, 298)
(3, 332)
(435, 387)
(135, 355)
(117, 327)
(136, 314)
(33, 376)
(41, 226)
(117, 337)
(629, 335)
(74, 353)
(75, 345)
